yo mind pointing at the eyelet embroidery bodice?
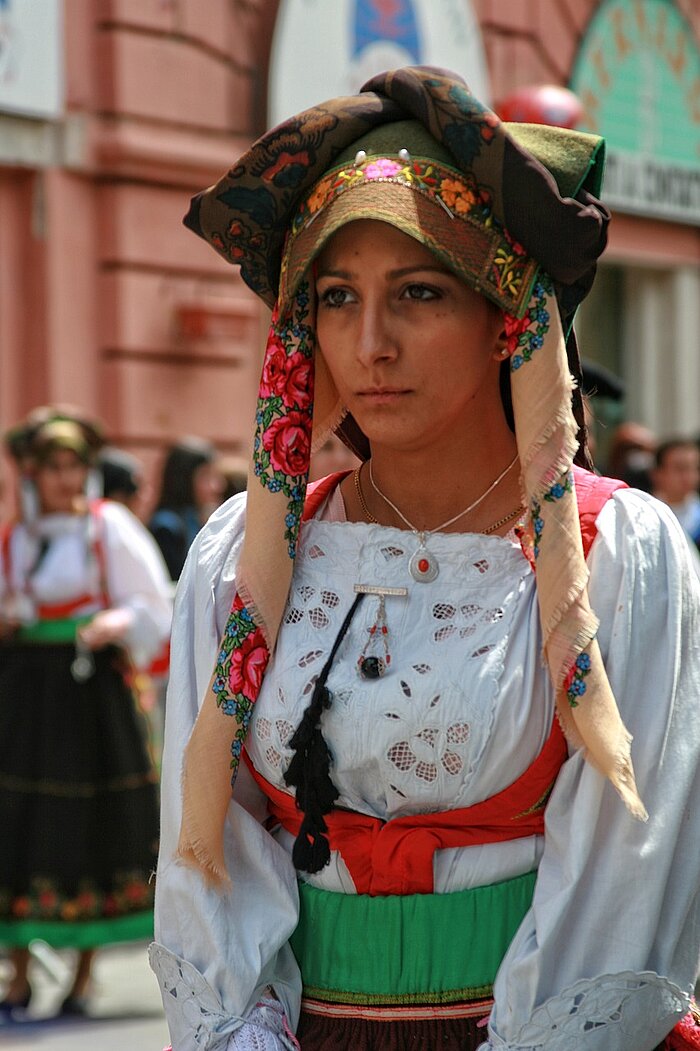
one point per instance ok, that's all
(416, 740)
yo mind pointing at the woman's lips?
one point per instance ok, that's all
(382, 395)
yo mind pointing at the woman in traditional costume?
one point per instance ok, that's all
(435, 838)
(84, 598)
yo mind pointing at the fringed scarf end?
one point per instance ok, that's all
(195, 856)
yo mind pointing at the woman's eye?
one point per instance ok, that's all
(336, 297)
(420, 292)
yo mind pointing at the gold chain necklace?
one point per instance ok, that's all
(425, 568)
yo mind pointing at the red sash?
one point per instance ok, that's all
(396, 857)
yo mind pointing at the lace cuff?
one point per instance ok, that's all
(266, 1029)
(196, 1016)
(194, 1011)
(610, 1013)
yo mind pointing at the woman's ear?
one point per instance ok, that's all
(501, 349)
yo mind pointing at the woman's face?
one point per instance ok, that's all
(413, 351)
(207, 487)
(60, 481)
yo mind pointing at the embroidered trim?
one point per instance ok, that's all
(399, 1013)
(457, 192)
(448, 996)
(46, 900)
(503, 268)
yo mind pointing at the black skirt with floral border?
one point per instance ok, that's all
(78, 801)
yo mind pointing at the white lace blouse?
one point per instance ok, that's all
(606, 957)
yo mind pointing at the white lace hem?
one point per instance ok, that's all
(627, 1011)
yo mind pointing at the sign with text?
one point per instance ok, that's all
(637, 75)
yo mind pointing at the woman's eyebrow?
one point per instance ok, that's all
(404, 271)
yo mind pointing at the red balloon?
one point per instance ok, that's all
(542, 104)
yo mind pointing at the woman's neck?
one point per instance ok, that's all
(429, 486)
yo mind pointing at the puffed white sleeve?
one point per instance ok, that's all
(606, 958)
(137, 582)
(222, 958)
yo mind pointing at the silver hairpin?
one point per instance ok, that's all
(360, 158)
(405, 156)
(448, 210)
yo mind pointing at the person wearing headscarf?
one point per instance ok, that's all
(84, 600)
(431, 754)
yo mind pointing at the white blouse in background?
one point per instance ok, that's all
(135, 576)
(604, 959)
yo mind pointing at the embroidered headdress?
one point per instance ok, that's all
(513, 211)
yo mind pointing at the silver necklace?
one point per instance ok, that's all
(423, 565)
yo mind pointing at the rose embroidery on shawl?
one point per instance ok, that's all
(285, 404)
(287, 377)
(248, 664)
(274, 371)
(239, 671)
(526, 335)
(288, 442)
(514, 327)
(298, 382)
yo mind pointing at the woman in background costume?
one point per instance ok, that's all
(84, 598)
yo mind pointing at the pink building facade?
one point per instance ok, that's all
(106, 301)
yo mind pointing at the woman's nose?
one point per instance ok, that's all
(378, 339)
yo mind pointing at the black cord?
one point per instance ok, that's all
(309, 767)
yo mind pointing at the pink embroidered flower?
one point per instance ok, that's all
(274, 372)
(248, 663)
(382, 169)
(287, 377)
(288, 442)
(298, 382)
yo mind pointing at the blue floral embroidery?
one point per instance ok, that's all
(564, 485)
(527, 335)
(575, 684)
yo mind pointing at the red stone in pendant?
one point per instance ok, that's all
(424, 565)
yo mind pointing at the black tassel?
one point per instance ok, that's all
(309, 769)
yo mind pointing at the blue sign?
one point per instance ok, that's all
(391, 20)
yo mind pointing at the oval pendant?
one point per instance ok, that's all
(82, 668)
(423, 566)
